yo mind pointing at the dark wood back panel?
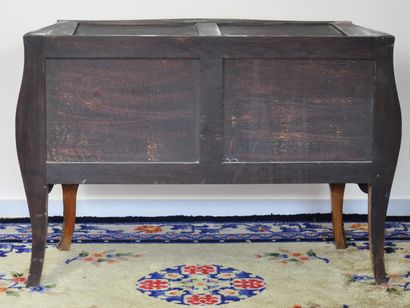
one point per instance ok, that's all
(126, 110)
(298, 110)
(166, 30)
(280, 30)
(278, 97)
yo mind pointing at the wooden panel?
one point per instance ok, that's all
(211, 173)
(286, 29)
(167, 30)
(211, 46)
(185, 27)
(298, 110)
(211, 139)
(136, 110)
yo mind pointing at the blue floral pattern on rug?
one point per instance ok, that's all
(201, 285)
(106, 256)
(285, 256)
(397, 282)
(389, 247)
(6, 248)
(202, 232)
(13, 284)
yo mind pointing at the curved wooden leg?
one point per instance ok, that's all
(31, 145)
(69, 200)
(37, 198)
(337, 193)
(378, 200)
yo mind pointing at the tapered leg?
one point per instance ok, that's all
(378, 200)
(37, 198)
(31, 149)
(69, 200)
(337, 193)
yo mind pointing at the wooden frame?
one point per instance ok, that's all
(211, 47)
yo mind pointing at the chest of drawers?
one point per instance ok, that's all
(207, 101)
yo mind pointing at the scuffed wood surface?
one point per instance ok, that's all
(122, 110)
(172, 101)
(298, 110)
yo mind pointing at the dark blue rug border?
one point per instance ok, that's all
(262, 218)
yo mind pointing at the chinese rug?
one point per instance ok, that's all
(235, 264)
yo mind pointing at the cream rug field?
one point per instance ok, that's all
(232, 275)
(228, 264)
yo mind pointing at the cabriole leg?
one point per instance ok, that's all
(69, 200)
(378, 200)
(37, 198)
(337, 193)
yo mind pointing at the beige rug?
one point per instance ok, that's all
(230, 275)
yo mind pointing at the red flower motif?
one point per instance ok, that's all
(304, 258)
(3, 289)
(90, 259)
(206, 299)
(363, 227)
(201, 284)
(202, 269)
(19, 279)
(148, 229)
(154, 284)
(248, 284)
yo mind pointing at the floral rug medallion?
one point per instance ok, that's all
(201, 285)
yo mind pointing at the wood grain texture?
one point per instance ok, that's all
(211, 113)
(387, 138)
(280, 30)
(205, 46)
(269, 102)
(209, 173)
(132, 110)
(346, 27)
(337, 193)
(110, 30)
(31, 145)
(298, 110)
(378, 198)
(70, 203)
